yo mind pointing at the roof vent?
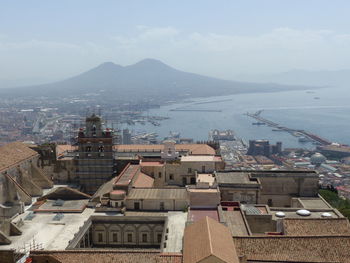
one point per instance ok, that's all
(326, 214)
(303, 212)
(280, 214)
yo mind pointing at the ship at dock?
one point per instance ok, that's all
(217, 135)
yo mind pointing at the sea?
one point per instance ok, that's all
(325, 112)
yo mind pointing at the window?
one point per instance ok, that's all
(159, 238)
(137, 206)
(161, 206)
(88, 148)
(115, 237)
(171, 176)
(144, 238)
(189, 170)
(159, 174)
(129, 237)
(184, 181)
(100, 237)
(193, 180)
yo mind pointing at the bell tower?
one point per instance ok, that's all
(94, 160)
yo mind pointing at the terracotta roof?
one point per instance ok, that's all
(14, 153)
(145, 163)
(143, 180)
(127, 174)
(208, 238)
(65, 193)
(106, 256)
(195, 149)
(294, 249)
(158, 193)
(316, 227)
(62, 148)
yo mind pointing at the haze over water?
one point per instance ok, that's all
(326, 116)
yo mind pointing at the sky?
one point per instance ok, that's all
(43, 41)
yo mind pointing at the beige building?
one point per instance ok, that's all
(183, 171)
(157, 199)
(120, 232)
(238, 187)
(279, 187)
(274, 188)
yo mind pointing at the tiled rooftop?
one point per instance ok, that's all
(195, 149)
(14, 153)
(158, 193)
(316, 227)
(107, 256)
(206, 238)
(294, 249)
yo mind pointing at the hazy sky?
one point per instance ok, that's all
(43, 40)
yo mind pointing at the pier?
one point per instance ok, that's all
(297, 133)
(203, 110)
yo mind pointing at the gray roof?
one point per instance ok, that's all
(234, 178)
(154, 193)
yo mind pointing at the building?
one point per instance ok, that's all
(21, 178)
(238, 187)
(157, 199)
(94, 160)
(126, 136)
(155, 150)
(120, 232)
(263, 147)
(208, 241)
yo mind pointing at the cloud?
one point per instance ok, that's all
(225, 55)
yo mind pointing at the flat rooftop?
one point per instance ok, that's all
(235, 222)
(315, 213)
(46, 232)
(198, 214)
(206, 178)
(313, 203)
(234, 178)
(73, 206)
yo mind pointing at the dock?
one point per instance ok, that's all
(313, 137)
(198, 110)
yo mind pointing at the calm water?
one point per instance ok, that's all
(328, 116)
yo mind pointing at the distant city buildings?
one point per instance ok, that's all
(168, 202)
(263, 147)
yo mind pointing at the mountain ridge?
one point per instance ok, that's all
(148, 78)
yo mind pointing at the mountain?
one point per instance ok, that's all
(335, 78)
(148, 78)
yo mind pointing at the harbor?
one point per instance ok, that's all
(304, 136)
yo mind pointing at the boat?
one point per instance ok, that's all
(258, 123)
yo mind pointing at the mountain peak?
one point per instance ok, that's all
(150, 63)
(108, 64)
